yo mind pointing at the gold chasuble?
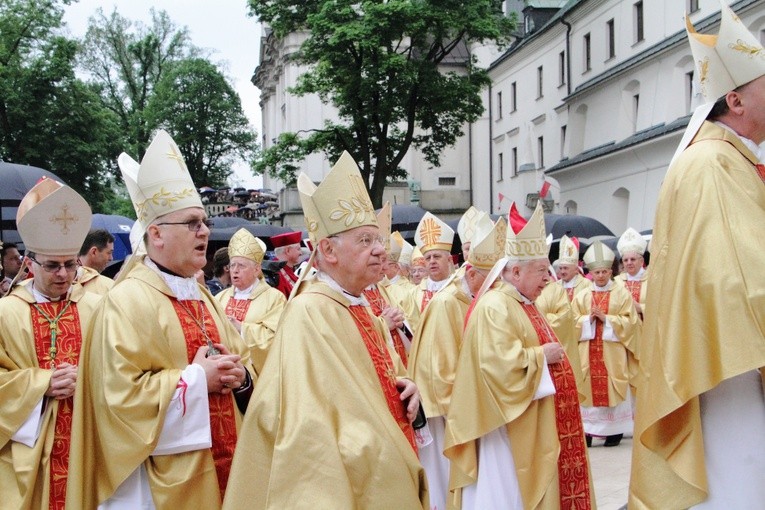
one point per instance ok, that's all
(33, 338)
(319, 432)
(378, 303)
(134, 368)
(93, 281)
(705, 310)
(500, 368)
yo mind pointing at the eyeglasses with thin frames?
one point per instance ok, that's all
(193, 225)
(367, 240)
(55, 267)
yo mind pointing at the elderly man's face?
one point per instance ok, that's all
(180, 241)
(439, 264)
(243, 272)
(529, 278)
(753, 100)
(632, 262)
(601, 276)
(567, 271)
(360, 253)
(418, 273)
(465, 250)
(391, 269)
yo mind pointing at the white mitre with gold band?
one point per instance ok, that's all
(599, 256)
(53, 219)
(161, 184)
(724, 62)
(396, 241)
(384, 221)
(488, 243)
(244, 244)
(466, 227)
(339, 203)
(531, 242)
(433, 234)
(568, 251)
(631, 242)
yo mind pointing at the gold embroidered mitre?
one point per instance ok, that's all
(396, 241)
(530, 243)
(568, 251)
(417, 257)
(161, 184)
(598, 256)
(725, 61)
(384, 221)
(339, 203)
(433, 234)
(466, 227)
(244, 244)
(631, 241)
(488, 243)
(53, 219)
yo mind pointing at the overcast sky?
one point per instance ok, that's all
(221, 26)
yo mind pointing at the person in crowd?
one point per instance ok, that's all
(221, 279)
(287, 249)
(42, 323)
(571, 278)
(631, 247)
(330, 420)
(514, 435)
(419, 270)
(700, 416)
(95, 254)
(165, 377)
(253, 306)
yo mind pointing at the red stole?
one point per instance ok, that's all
(598, 370)
(427, 295)
(760, 171)
(222, 419)
(378, 304)
(574, 481)
(287, 279)
(634, 287)
(237, 308)
(384, 367)
(570, 293)
(68, 342)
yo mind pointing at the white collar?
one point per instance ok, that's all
(436, 286)
(394, 279)
(637, 277)
(42, 298)
(355, 300)
(571, 283)
(245, 293)
(604, 288)
(756, 149)
(182, 288)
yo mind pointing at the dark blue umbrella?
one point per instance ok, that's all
(119, 227)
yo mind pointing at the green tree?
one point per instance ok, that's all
(127, 60)
(48, 117)
(195, 103)
(381, 64)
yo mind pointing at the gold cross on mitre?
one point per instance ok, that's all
(430, 233)
(174, 154)
(65, 218)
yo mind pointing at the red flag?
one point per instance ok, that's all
(514, 218)
(545, 189)
(501, 197)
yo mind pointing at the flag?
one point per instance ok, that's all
(545, 189)
(501, 197)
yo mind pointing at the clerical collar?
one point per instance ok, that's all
(245, 293)
(355, 300)
(525, 300)
(746, 141)
(42, 298)
(604, 288)
(394, 279)
(571, 283)
(436, 286)
(182, 288)
(638, 276)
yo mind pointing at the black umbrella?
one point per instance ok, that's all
(570, 225)
(221, 222)
(15, 182)
(119, 227)
(220, 236)
(406, 217)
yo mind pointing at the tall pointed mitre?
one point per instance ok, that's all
(631, 241)
(568, 250)
(339, 203)
(724, 62)
(466, 227)
(384, 221)
(528, 243)
(598, 256)
(244, 244)
(433, 234)
(407, 252)
(488, 244)
(53, 219)
(396, 241)
(418, 259)
(161, 184)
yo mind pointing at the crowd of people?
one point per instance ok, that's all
(381, 374)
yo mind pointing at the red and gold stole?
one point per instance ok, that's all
(427, 295)
(760, 171)
(598, 370)
(68, 342)
(384, 367)
(634, 287)
(191, 313)
(237, 308)
(378, 304)
(570, 293)
(573, 474)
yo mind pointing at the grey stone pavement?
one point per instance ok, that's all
(611, 473)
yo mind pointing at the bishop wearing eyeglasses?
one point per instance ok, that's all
(166, 376)
(41, 328)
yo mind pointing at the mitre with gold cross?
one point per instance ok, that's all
(53, 219)
(433, 234)
(244, 244)
(161, 184)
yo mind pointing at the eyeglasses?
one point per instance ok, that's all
(367, 240)
(55, 267)
(192, 225)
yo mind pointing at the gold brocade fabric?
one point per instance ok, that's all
(25, 472)
(379, 299)
(436, 348)
(499, 370)
(705, 310)
(260, 319)
(318, 432)
(94, 282)
(131, 363)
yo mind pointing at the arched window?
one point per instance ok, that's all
(617, 214)
(576, 130)
(570, 207)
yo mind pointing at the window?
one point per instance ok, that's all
(539, 82)
(693, 5)
(689, 92)
(500, 166)
(447, 181)
(587, 60)
(762, 37)
(514, 154)
(562, 68)
(513, 97)
(562, 142)
(635, 107)
(541, 148)
(499, 105)
(638, 13)
(611, 39)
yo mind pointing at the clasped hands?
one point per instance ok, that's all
(224, 371)
(63, 381)
(393, 317)
(597, 313)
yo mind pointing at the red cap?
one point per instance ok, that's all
(286, 239)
